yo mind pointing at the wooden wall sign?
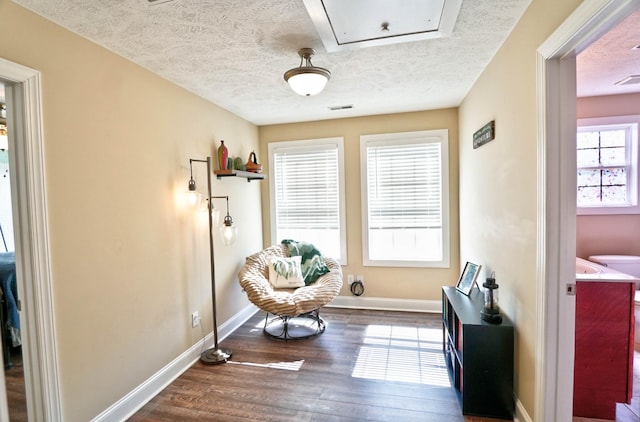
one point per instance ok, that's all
(485, 134)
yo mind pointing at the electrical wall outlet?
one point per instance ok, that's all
(360, 278)
(195, 319)
(350, 279)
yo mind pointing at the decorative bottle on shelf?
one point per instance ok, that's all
(223, 154)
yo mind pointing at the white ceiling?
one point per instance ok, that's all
(234, 53)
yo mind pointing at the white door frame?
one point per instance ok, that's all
(556, 234)
(28, 196)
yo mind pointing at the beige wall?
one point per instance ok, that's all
(129, 264)
(608, 234)
(498, 180)
(398, 283)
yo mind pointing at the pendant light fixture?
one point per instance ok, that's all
(192, 196)
(228, 230)
(307, 79)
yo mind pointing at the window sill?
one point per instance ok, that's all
(608, 210)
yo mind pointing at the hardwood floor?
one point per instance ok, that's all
(313, 380)
(368, 365)
(14, 381)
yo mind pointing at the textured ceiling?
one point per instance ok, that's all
(610, 59)
(234, 53)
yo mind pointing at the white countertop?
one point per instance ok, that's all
(588, 271)
(609, 277)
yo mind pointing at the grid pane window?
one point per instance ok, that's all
(604, 164)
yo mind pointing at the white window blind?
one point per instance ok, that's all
(405, 199)
(404, 186)
(306, 195)
(307, 189)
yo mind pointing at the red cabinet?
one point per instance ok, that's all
(603, 371)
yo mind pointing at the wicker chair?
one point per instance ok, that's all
(296, 312)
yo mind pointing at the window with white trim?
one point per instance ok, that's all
(607, 165)
(405, 199)
(306, 181)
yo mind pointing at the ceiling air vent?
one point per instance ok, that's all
(342, 107)
(629, 80)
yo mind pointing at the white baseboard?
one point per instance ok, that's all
(236, 321)
(521, 413)
(387, 304)
(139, 396)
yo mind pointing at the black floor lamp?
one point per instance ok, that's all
(214, 355)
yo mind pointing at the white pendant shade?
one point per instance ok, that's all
(307, 83)
(307, 80)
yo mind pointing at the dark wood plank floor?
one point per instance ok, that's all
(314, 382)
(368, 365)
(14, 381)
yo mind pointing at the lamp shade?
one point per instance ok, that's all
(228, 230)
(307, 79)
(229, 234)
(193, 198)
(4, 140)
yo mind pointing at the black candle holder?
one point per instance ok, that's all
(491, 310)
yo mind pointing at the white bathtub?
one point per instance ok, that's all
(590, 271)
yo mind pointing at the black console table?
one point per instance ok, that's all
(479, 355)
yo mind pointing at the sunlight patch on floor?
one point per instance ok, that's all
(405, 354)
(288, 366)
(258, 327)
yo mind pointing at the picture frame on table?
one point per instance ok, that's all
(468, 277)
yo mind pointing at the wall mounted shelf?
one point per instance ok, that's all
(238, 173)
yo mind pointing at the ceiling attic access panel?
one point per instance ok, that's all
(347, 25)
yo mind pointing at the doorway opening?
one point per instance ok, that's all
(10, 333)
(33, 274)
(557, 199)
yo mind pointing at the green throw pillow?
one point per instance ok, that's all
(313, 265)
